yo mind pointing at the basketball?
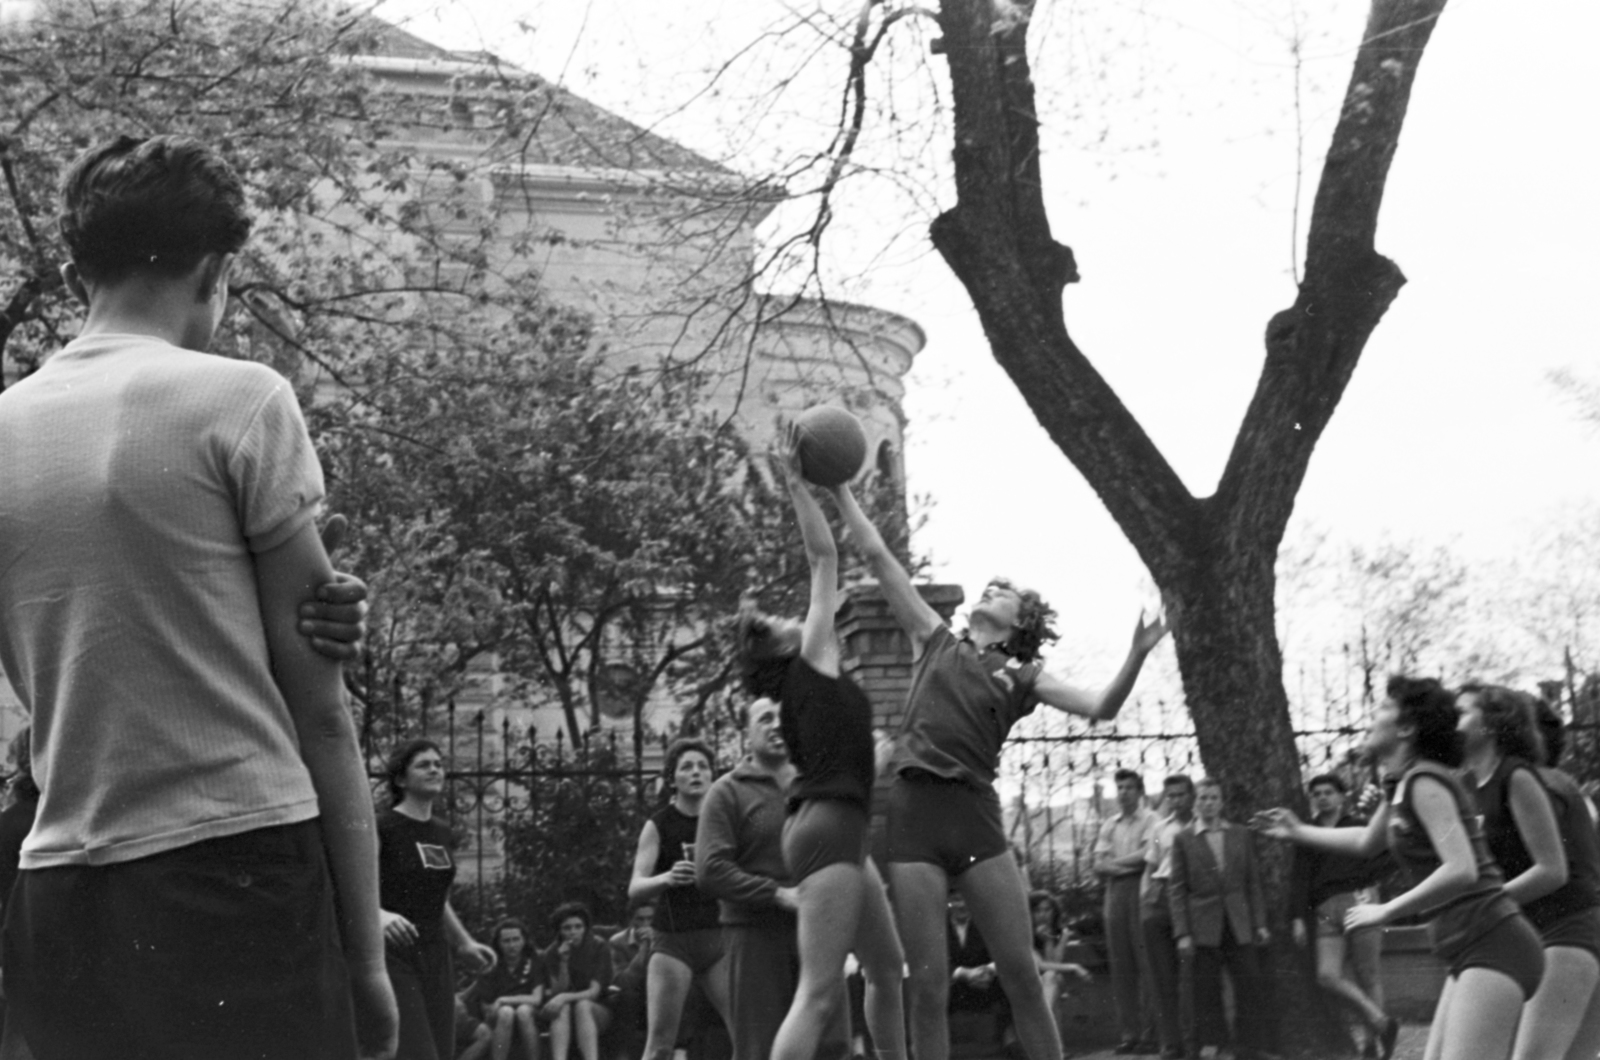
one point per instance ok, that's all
(832, 445)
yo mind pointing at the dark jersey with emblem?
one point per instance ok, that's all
(1469, 915)
(415, 870)
(827, 727)
(1505, 843)
(962, 703)
(685, 908)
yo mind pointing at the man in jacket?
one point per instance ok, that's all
(1219, 918)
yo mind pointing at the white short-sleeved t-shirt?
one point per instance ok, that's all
(136, 480)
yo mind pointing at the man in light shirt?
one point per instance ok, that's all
(1119, 858)
(1161, 948)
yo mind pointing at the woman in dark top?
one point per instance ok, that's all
(420, 930)
(1540, 859)
(1576, 818)
(1432, 829)
(510, 993)
(577, 970)
(827, 726)
(687, 938)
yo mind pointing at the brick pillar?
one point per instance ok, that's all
(876, 654)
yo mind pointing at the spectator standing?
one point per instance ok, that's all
(1174, 1011)
(739, 860)
(1323, 887)
(421, 931)
(1119, 861)
(687, 947)
(1219, 918)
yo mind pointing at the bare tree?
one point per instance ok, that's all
(1212, 556)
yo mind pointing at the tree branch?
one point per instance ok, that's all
(997, 241)
(1314, 346)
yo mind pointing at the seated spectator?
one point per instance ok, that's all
(473, 1037)
(630, 959)
(577, 970)
(627, 943)
(509, 994)
(1048, 942)
(978, 1008)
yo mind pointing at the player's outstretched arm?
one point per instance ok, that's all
(912, 612)
(312, 687)
(818, 644)
(1104, 705)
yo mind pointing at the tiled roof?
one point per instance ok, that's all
(568, 130)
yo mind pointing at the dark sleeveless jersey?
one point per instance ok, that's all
(1505, 843)
(1469, 915)
(684, 908)
(415, 870)
(827, 726)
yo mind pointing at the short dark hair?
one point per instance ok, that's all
(1509, 719)
(1208, 782)
(677, 749)
(567, 910)
(150, 205)
(763, 661)
(1332, 780)
(1553, 729)
(1180, 778)
(1127, 774)
(1035, 622)
(399, 760)
(1427, 706)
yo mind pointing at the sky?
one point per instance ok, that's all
(1173, 142)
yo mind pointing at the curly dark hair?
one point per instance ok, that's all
(763, 660)
(1430, 708)
(1038, 898)
(1035, 625)
(1510, 719)
(399, 760)
(679, 748)
(156, 204)
(568, 910)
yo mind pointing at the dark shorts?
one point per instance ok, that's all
(1580, 931)
(947, 823)
(823, 832)
(1512, 948)
(196, 952)
(698, 950)
(1331, 911)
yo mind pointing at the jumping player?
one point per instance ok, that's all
(204, 858)
(944, 816)
(827, 726)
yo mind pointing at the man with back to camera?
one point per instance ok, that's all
(1119, 860)
(738, 854)
(204, 858)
